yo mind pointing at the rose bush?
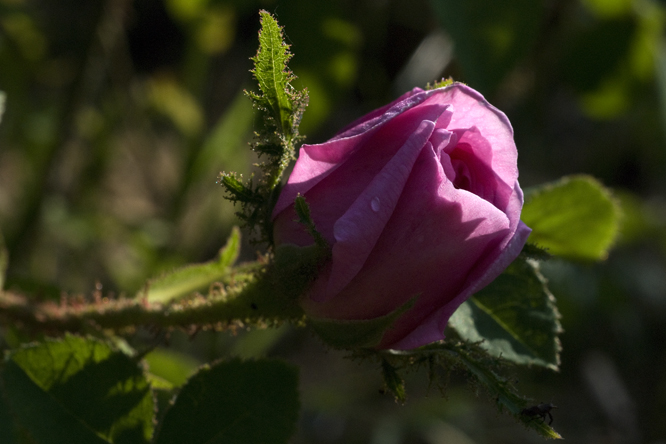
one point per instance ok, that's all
(419, 200)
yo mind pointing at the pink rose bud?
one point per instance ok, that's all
(420, 201)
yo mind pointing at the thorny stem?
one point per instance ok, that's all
(255, 302)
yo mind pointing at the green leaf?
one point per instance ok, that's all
(502, 391)
(188, 279)
(171, 366)
(576, 218)
(490, 37)
(356, 333)
(515, 317)
(78, 390)
(40, 415)
(234, 402)
(479, 368)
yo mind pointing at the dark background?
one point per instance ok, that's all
(120, 114)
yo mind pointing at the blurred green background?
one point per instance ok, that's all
(120, 114)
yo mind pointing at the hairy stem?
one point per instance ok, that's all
(257, 301)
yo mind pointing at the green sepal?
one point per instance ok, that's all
(294, 268)
(303, 212)
(279, 99)
(393, 381)
(349, 334)
(532, 251)
(575, 218)
(281, 108)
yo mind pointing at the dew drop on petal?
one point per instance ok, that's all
(374, 204)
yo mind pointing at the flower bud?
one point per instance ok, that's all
(420, 203)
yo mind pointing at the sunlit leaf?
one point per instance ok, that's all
(188, 279)
(576, 218)
(77, 390)
(515, 317)
(172, 366)
(234, 402)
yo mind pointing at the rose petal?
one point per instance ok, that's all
(358, 230)
(470, 109)
(433, 240)
(330, 195)
(436, 235)
(372, 118)
(316, 162)
(471, 156)
(432, 328)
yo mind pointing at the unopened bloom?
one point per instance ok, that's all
(420, 201)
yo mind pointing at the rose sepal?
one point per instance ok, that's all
(353, 334)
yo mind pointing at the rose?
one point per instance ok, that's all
(419, 200)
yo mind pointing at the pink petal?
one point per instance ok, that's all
(358, 230)
(432, 328)
(316, 162)
(434, 237)
(472, 151)
(470, 109)
(369, 120)
(356, 161)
